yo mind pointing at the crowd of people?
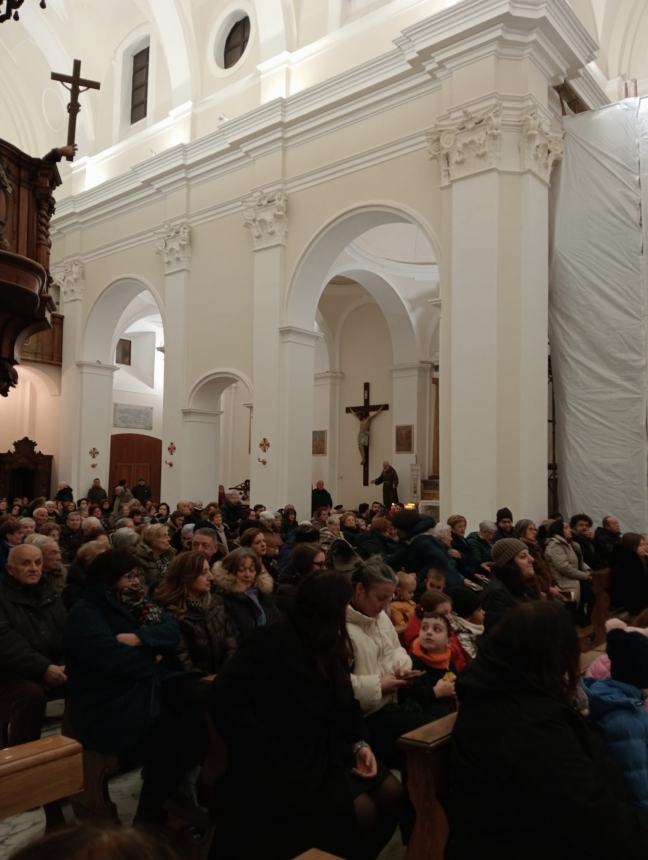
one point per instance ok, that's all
(311, 646)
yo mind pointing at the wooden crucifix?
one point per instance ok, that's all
(364, 416)
(77, 85)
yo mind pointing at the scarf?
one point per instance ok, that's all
(432, 661)
(144, 611)
(203, 602)
(253, 594)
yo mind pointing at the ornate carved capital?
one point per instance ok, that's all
(466, 143)
(174, 245)
(70, 278)
(541, 145)
(266, 218)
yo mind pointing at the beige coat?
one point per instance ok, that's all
(565, 561)
(376, 652)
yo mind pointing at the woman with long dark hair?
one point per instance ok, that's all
(285, 707)
(527, 778)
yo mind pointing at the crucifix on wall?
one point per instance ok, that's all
(364, 415)
(77, 85)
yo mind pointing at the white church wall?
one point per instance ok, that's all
(32, 409)
(365, 356)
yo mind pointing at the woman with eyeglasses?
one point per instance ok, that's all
(124, 698)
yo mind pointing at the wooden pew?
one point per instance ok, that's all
(426, 749)
(39, 773)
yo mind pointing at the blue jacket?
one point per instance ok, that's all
(618, 710)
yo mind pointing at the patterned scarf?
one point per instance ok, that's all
(203, 602)
(134, 600)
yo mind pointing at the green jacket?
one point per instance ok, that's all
(481, 548)
(32, 618)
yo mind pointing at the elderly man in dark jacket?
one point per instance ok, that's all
(32, 617)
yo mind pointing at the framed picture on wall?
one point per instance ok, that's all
(404, 433)
(319, 443)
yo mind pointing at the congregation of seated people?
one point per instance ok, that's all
(311, 646)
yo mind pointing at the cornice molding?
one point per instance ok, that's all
(301, 336)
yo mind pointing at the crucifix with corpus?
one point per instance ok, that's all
(364, 416)
(77, 85)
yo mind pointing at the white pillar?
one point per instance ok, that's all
(201, 439)
(96, 421)
(296, 398)
(174, 246)
(411, 388)
(265, 217)
(71, 280)
(495, 144)
(328, 386)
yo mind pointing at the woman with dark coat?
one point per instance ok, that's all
(513, 582)
(629, 578)
(123, 699)
(467, 563)
(306, 558)
(541, 786)
(208, 637)
(257, 540)
(286, 710)
(246, 590)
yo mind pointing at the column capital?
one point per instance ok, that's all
(333, 377)
(173, 243)
(70, 277)
(202, 416)
(512, 135)
(302, 336)
(97, 367)
(266, 217)
(413, 368)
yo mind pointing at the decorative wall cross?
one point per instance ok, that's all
(264, 444)
(364, 416)
(77, 85)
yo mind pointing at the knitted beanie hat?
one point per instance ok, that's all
(504, 514)
(628, 653)
(505, 550)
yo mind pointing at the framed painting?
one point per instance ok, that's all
(319, 443)
(404, 434)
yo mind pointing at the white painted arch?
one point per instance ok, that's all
(316, 265)
(206, 392)
(106, 312)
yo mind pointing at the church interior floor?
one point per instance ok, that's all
(124, 791)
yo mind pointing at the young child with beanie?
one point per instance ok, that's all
(617, 707)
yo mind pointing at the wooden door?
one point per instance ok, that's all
(134, 456)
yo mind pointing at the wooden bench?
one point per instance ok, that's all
(426, 749)
(39, 773)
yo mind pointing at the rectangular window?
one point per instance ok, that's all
(123, 352)
(139, 90)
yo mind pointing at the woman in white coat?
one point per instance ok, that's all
(565, 560)
(381, 666)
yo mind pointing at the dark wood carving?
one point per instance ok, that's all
(26, 206)
(46, 347)
(25, 471)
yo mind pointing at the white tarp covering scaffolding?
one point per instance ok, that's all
(598, 314)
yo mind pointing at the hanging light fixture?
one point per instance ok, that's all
(11, 9)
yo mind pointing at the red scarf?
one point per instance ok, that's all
(434, 661)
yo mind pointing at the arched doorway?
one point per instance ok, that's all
(404, 293)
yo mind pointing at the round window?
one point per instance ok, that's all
(236, 42)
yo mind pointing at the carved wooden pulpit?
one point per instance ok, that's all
(26, 206)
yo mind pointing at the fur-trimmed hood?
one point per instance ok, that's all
(227, 583)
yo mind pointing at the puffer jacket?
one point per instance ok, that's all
(376, 652)
(618, 710)
(32, 618)
(241, 605)
(565, 561)
(208, 637)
